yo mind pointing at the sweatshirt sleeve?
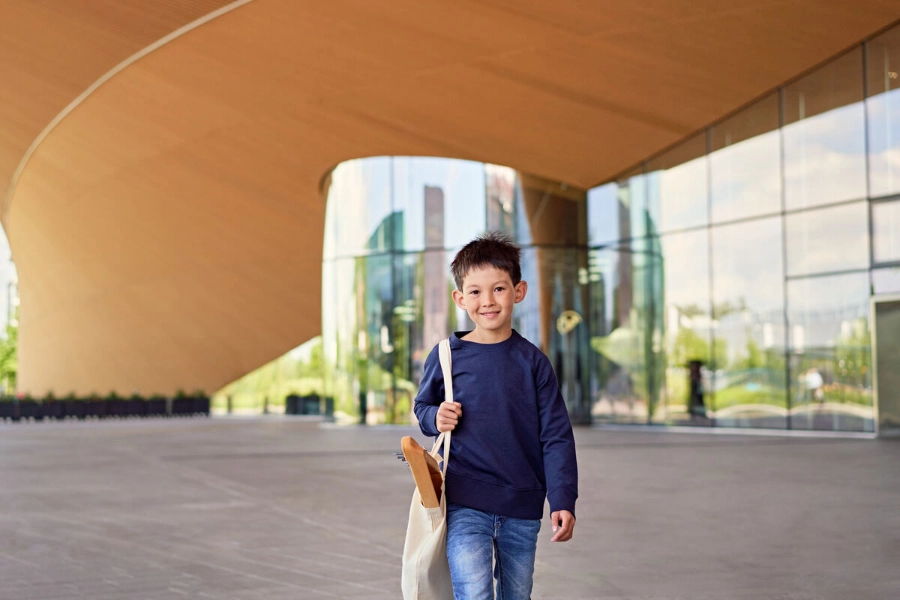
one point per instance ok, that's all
(557, 441)
(431, 394)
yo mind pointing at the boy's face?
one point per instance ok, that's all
(488, 296)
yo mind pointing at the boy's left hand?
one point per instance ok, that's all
(563, 524)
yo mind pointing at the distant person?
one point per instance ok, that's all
(512, 446)
(814, 385)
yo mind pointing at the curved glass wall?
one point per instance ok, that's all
(393, 225)
(723, 282)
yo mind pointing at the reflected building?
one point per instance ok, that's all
(740, 265)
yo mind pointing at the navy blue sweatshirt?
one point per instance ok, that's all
(513, 446)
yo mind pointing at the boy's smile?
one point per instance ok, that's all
(488, 296)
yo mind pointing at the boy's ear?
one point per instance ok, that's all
(521, 290)
(459, 299)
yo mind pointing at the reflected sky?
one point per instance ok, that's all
(822, 309)
(886, 229)
(828, 239)
(747, 264)
(677, 196)
(746, 178)
(825, 158)
(884, 143)
(357, 221)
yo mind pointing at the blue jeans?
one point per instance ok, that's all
(474, 538)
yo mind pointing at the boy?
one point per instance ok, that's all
(512, 443)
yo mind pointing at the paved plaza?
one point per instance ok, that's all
(281, 508)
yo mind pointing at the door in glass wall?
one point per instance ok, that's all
(887, 352)
(830, 356)
(747, 359)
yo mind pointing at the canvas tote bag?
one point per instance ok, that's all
(426, 572)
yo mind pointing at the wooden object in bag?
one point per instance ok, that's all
(426, 472)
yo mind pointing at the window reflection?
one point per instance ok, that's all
(393, 226)
(883, 105)
(745, 169)
(830, 353)
(677, 186)
(688, 327)
(886, 231)
(366, 186)
(886, 280)
(828, 239)
(748, 325)
(626, 332)
(824, 135)
(553, 316)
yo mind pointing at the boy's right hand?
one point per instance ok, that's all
(448, 416)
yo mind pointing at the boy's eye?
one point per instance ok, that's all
(499, 289)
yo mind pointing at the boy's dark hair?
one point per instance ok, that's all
(493, 248)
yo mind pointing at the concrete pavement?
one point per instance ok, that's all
(279, 507)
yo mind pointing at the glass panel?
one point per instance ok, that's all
(745, 166)
(831, 364)
(830, 239)
(439, 202)
(340, 339)
(555, 213)
(359, 217)
(605, 214)
(625, 320)
(611, 211)
(748, 325)
(824, 140)
(552, 317)
(677, 186)
(688, 327)
(886, 231)
(502, 193)
(883, 104)
(408, 329)
(886, 281)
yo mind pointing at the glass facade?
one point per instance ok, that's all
(393, 225)
(725, 282)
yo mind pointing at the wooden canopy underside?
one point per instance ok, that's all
(167, 227)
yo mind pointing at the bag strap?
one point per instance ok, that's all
(444, 438)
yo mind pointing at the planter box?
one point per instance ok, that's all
(30, 409)
(135, 407)
(156, 407)
(77, 409)
(182, 406)
(53, 409)
(7, 409)
(96, 408)
(115, 407)
(310, 405)
(290, 404)
(201, 405)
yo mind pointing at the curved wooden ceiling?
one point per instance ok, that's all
(168, 229)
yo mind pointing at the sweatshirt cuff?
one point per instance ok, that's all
(426, 423)
(562, 500)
